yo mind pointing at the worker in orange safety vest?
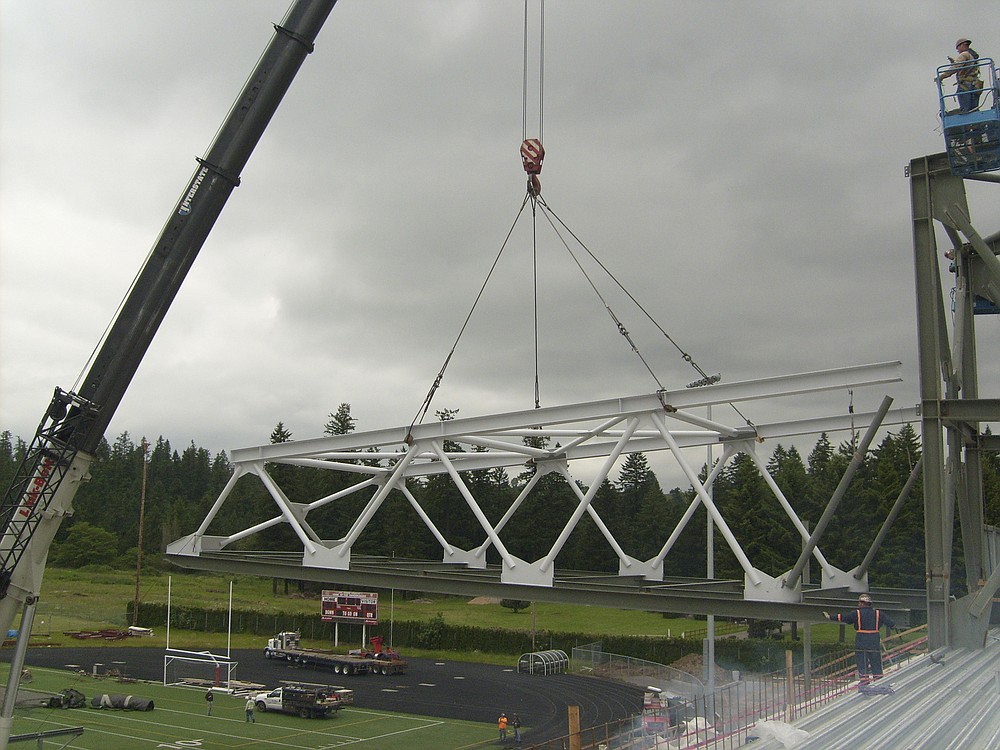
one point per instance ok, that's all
(867, 622)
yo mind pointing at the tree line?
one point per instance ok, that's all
(181, 486)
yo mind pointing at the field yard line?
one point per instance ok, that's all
(169, 732)
(393, 734)
(97, 731)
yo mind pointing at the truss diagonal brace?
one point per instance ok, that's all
(783, 502)
(992, 263)
(376, 501)
(584, 505)
(484, 522)
(752, 573)
(792, 578)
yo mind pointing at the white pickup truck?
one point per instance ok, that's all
(308, 700)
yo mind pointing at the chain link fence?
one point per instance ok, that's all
(683, 715)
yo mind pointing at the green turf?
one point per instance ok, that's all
(179, 720)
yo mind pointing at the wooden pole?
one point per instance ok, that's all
(573, 715)
(142, 514)
(789, 688)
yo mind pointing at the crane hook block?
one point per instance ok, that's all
(532, 154)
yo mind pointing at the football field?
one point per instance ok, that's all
(179, 720)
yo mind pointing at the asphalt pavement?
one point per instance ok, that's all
(442, 689)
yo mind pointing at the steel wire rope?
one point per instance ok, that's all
(541, 72)
(621, 327)
(532, 193)
(422, 410)
(534, 284)
(547, 210)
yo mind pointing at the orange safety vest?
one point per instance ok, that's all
(858, 626)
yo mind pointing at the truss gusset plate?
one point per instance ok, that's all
(650, 570)
(472, 558)
(769, 589)
(835, 578)
(193, 545)
(526, 573)
(327, 555)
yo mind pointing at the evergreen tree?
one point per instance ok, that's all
(341, 422)
(756, 520)
(792, 478)
(8, 459)
(900, 561)
(288, 479)
(687, 557)
(635, 480)
(586, 548)
(539, 520)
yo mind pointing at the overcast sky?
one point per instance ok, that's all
(738, 165)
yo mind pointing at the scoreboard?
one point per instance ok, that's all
(350, 606)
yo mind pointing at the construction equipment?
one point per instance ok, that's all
(971, 133)
(287, 646)
(59, 456)
(308, 700)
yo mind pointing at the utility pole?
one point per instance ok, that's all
(142, 514)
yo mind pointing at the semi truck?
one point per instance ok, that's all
(287, 646)
(308, 700)
(377, 660)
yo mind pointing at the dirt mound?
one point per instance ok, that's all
(484, 600)
(694, 664)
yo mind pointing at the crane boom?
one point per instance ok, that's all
(72, 427)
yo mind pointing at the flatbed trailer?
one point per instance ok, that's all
(287, 646)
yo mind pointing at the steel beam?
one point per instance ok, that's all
(950, 403)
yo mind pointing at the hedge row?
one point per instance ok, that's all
(748, 654)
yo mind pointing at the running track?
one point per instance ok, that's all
(442, 689)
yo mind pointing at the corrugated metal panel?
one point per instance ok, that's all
(949, 700)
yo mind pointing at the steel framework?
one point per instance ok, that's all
(952, 411)
(665, 421)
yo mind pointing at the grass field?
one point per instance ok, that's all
(91, 599)
(179, 720)
(85, 595)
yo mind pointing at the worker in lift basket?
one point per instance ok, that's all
(867, 622)
(969, 85)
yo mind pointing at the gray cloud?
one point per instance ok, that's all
(738, 166)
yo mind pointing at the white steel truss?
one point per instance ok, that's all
(600, 430)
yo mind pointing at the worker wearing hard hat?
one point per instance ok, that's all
(867, 622)
(967, 79)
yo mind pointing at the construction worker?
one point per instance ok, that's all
(502, 726)
(867, 622)
(963, 67)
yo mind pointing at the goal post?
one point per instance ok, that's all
(198, 669)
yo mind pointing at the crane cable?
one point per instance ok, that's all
(706, 378)
(532, 154)
(541, 73)
(549, 215)
(422, 410)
